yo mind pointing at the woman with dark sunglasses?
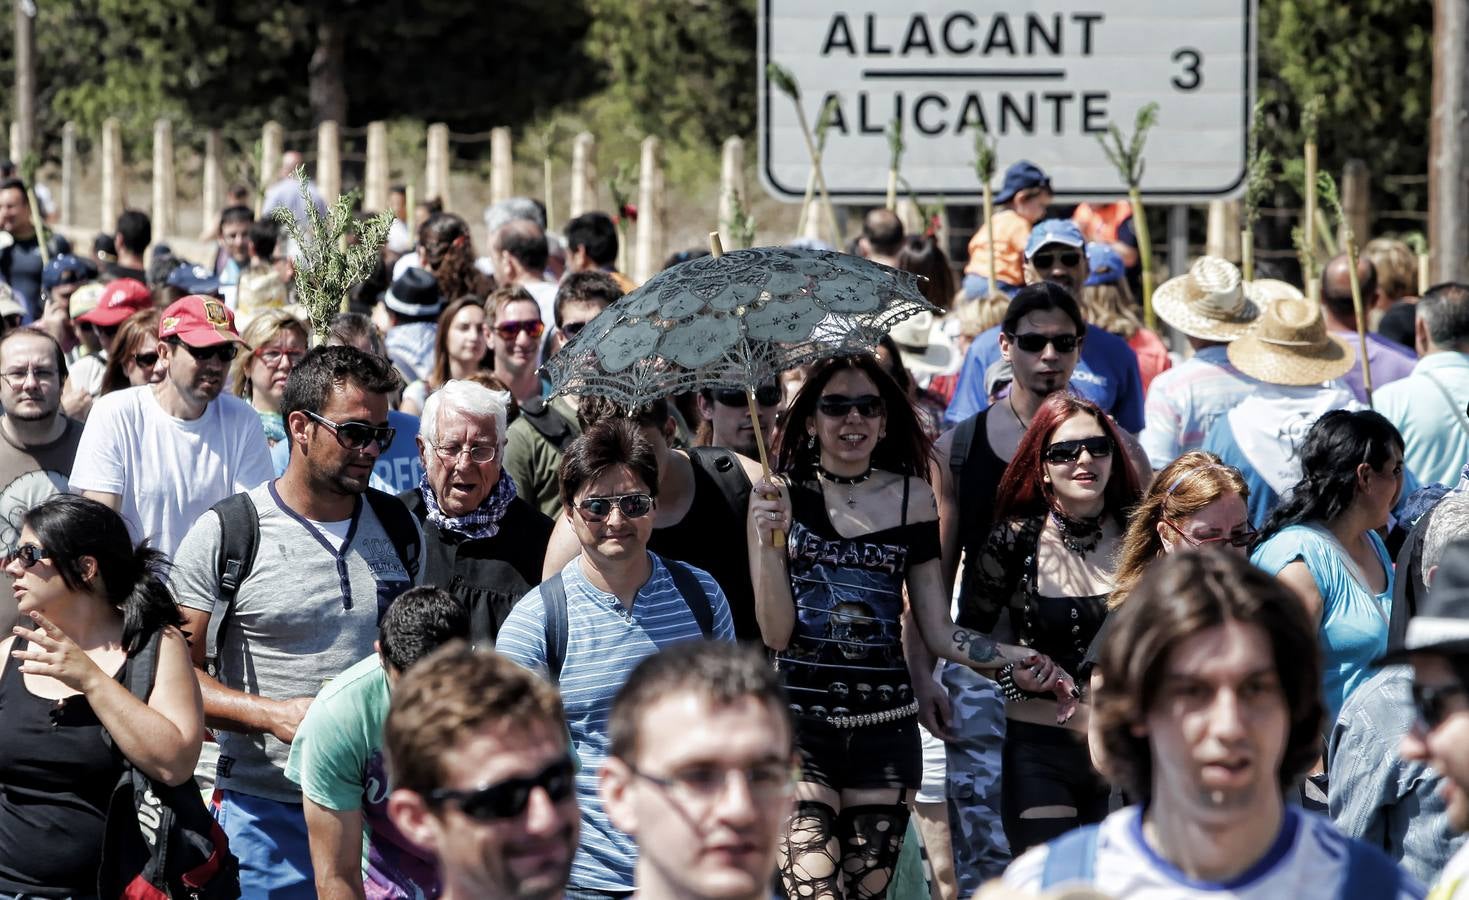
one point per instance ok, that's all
(89, 600)
(134, 357)
(830, 601)
(1048, 565)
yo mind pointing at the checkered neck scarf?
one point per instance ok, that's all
(481, 522)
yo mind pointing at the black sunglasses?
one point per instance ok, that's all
(868, 406)
(765, 395)
(357, 435)
(1237, 539)
(1070, 451)
(1431, 702)
(572, 329)
(1046, 259)
(28, 554)
(509, 798)
(146, 360)
(1032, 342)
(633, 506)
(223, 352)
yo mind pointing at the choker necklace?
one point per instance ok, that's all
(1080, 536)
(850, 481)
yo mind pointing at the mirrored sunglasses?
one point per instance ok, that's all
(632, 506)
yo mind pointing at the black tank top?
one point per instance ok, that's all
(979, 484)
(845, 654)
(56, 776)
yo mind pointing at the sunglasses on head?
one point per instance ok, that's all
(509, 798)
(1070, 451)
(1431, 702)
(1239, 539)
(765, 395)
(28, 554)
(508, 330)
(1045, 259)
(868, 406)
(1033, 342)
(632, 506)
(146, 360)
(357, 435)
(223, 352)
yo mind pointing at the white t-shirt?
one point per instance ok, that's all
(545, 294)
(169, 471)
(1306, 862)
(87, 372)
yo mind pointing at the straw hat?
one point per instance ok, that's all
(925, 349)
(1211, 302)
(1290, 345)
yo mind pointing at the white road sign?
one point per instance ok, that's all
(1045, 77)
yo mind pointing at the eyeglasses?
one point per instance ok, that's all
(27, 554)
(1070, 451)
(1236, 539)
(357, 435)
(1032, 342)
(508, 330)
(223, 352)
(597, 509)
(478, 453)
(18, 377)
(272, 357)
(572, 329)
(1045, 259)
(509, 798)
(868, 406)
(1431, 702)
(705, 784)
(765, 395)
(146, 360)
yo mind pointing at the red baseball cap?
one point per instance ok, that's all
(119, 300)
(199, 321)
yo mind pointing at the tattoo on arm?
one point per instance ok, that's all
(976, 646)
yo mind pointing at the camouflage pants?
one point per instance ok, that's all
(978, 723)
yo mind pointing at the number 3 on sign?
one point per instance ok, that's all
(1190, 78)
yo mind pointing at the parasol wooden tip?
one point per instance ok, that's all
(716, 246)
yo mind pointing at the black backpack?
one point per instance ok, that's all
(239, 537)
(160, 840)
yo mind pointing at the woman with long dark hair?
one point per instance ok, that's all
(853, 494)
(460, 347)
(1322, 541)
(1048, 562)
(89, 600)
(446, 250)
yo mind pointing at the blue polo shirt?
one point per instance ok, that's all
(604, 642)
(1107, 375)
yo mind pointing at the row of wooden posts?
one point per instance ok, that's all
(649, 242)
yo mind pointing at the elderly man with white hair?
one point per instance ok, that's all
(482, 543)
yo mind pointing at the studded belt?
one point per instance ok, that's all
(875, 718)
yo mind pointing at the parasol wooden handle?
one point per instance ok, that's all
(777, 536)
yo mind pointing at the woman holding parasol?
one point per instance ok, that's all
(862, 527)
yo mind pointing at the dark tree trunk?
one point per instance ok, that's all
(327, 82)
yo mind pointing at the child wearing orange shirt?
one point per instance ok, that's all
(1022, 199)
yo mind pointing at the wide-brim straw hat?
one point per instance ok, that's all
(1290, 345)
(1211, 302)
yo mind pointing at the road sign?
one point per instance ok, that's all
(1045, 77)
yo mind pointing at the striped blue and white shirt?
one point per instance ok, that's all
(604, 641)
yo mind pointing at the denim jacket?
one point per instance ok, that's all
(1377, 796)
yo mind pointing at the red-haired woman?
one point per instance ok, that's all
(1049, 563)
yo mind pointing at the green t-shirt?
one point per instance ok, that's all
(337, 758)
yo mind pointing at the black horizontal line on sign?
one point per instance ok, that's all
(1007, 74)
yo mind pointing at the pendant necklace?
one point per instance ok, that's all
(850, 481)
(1010, 402)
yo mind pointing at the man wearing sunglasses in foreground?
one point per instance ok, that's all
(163, 454)
(477, 756)
(1437, 645)
(703, 771)
(588, 624)
(329, 555)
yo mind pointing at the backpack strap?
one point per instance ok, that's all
(553, 599)
(239, 538)
(1072, 858)
(693, 595)
(546, 420)
(401, 529)
(726, 472)
(964, 434)
(1370, 873)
